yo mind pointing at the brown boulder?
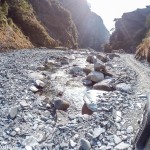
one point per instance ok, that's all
(101, 57)
(105, 85)
(86, 110)
(61, 105)
(91, 59)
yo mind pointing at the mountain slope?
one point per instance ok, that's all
(130, 29)
(91, 30)
(57, 21)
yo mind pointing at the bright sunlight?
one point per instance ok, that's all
(110, 9)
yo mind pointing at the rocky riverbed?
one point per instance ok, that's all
(68, 100)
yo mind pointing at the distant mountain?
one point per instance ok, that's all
(50, 23)
(91, 29)
(130, 30)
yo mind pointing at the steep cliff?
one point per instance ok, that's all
(91, 30)
(130, 29)
(57, 20)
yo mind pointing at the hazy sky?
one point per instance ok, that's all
(110, 9)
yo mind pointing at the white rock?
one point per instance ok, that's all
(130, 129)
(24, 104)
(95, 76)
(90, 99)
(30, 141)
(36, 76)
(17, 129)
(117, 139)
(28, 148)
(117, 116)
(97, 132)
(103, 147)
(40, 83)
(72, 143)
(122, 146)
(34, 89)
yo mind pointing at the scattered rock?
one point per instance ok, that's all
(30, 141)
(91, 59)
(122, 146)
(87, 82)
(90, 100)
(95, 76)
(85, 144)
(117, 139)
(34, 89)
(88, 69)
(61, 105)
(97, 132)
(36, 76)
(112, 55)
(64, 61)
(117, 116)
(86, 110)
(101, 57)
(39, 84)
(123, 87)
(99, 67)
(130, 129)
(24, 104)
(72, 143)
(13, 112)
(76, 70)
(105, 85)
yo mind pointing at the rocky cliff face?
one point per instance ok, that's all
(130, 30)
(91, 30)
(57, 20)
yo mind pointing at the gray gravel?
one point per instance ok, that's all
(29, 119)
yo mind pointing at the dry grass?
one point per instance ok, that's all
(12, 38)
(143, 50)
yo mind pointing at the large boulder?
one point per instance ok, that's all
(105, 85)
(95, 76)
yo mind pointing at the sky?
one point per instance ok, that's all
(110, 9)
